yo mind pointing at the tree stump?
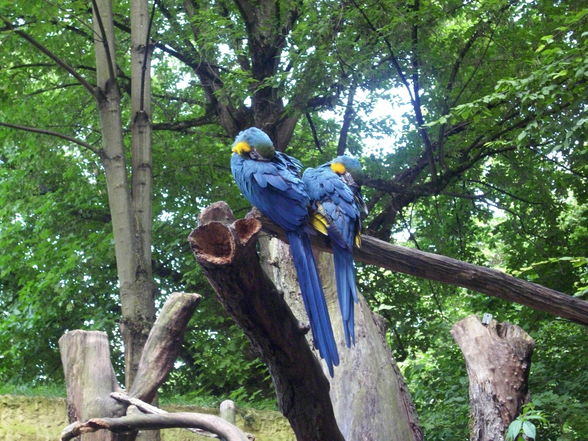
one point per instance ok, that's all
(228, 256)
(370, 400)
(498, 358)
(89, 375)
(90, 379)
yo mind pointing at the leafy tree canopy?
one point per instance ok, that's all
(484, 160)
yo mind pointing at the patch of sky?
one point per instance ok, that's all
(384, 116)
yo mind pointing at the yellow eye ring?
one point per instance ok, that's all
(241, 147)
(338, 168)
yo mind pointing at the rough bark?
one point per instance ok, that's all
(369, 397)
(498, 358)
(455, 272)
(163, 344)
(89, 378)
(228, 256)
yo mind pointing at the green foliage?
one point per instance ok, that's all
(523, 427)
(508, 80)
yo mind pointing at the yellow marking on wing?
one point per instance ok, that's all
(319, 223)
(358, 240)
(241, 147)
(338, 168)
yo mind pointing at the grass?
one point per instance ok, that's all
(40, 390)
(58, 391)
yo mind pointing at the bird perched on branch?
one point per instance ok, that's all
(337, 204)
(271, 181)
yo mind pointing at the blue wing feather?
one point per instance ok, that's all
(343, 214)
(276, 189)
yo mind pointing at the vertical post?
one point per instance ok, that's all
(228, 411)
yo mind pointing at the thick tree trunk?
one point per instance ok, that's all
(370, 400)
(367, 393)
(498, 358)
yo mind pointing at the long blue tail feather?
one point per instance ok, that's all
(346, 290)
(313, 297)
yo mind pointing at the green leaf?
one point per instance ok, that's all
(513, 430)
(529, 430)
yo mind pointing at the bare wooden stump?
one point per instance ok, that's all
(228, 411)
(498, 358)
(89, 378)
(227, 254)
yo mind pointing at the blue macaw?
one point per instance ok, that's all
(337, 207)
(271, 181)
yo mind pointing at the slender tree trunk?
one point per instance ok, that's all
(498, 358)
(134, 273)
(141, 307)
(370, 399)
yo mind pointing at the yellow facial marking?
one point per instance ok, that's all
(241, 147)
(338, 168)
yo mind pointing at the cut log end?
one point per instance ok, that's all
(217, 212)
(212, 243)
(247, 229)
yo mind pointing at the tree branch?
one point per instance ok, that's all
(347, 118)
(129, 423)
(392, 57)
(104, 40)
(181, 126)
(416, 104)
(162, 346)
(51, 133)
(455, 272)
(43, 49)
(150, 409)
(317, 141)
(145, 58)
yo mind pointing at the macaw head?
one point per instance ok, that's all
(255, 144)
(346, 164)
